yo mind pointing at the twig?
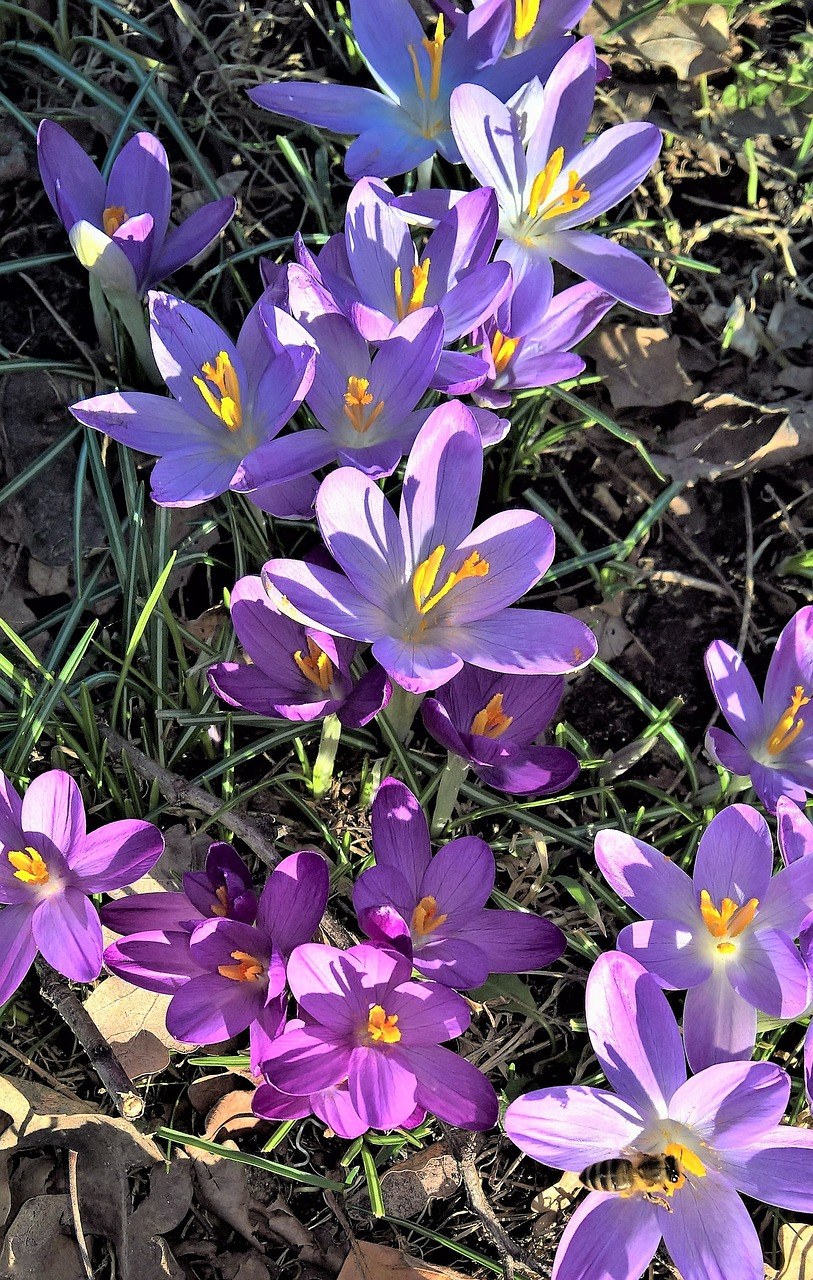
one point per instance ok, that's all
(73, 1191)
(100, 1054)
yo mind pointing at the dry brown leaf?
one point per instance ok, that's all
(692, 41)
(134, 1021)
(164, 1209)
(223, 1189)
(379, 1262)
(606, 622)
(409, 1185)
(40, 1242)
(796, 1243)
(641, 366)
(205, 1091)
(232, 1114)
(555, 1201)
(733, 437)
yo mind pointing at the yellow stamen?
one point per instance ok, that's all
(247, 969)
(573, 198)
(526, 13)
(687, 1160)
(492, 721)
(434, 48)
(221, 907)
(356, 399)
(420, 283)
(29, 865)
(426, 918)
(787, 728)
(317, 667)
(113, 217)
(382, 1028)
(729, 921)
(502, 349)
(423, 579)
(224, 401)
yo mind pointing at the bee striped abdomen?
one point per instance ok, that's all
(609, 1175)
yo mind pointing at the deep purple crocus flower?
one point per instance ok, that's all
(493, 722)
(427, 591)
(153, 952)
(726, 934)
(772, 738)
(229, 399)
(433, 908)
(549, 184)
(722, 1125)
(296, 672)
(49, 867)
(370, 1025)
(408, 121)
(119, 228)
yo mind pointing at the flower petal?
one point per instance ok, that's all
(735, 856)
(294, 899)
(518, 547)
(382, 1086)
(71, 180)
(778, 1169)
(488, 137)
(708, 1227)
(306, 1060)
(616, 270)
(340, 107)
(733, 687)
(155, 960)
(668, 950)
(140, 420)
(734, 1103)
(608, 1238)
(728, 751)
(17, 948)
(795, 832)
(718, 1025)
(647, 880)
(195, 234)
(441, 483)
(400, 833)
(324, 598)
(526, 642)
(52, 807)
(515, 941)
(572, 1127)
(116, 855)
(768, 972)
(210, 1008)
(68, 933)
(453, 1089)
(139, 181)
(362, 533)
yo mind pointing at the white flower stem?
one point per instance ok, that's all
(326, 756)
(401, 710)
(130, 312)
(452, 779)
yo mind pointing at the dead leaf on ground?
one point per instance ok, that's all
(205, 1091)
(134, 1021)
(409, 1185)
(692, 41)
(223, 1189)
(733, 437)
(555, 1202)
(796, 1243)
(641, 366)
(164, 1209)
(40, 1242)
(379, 1262)
(232, 1114)
(608, 626)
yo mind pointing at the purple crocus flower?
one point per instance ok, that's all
(721, 1125)
(408, 121)
(548, 184)
(493, 721)
(296, 672)
(772, 739)
(433, 908)
(425, 590)
(726, 934)
(241, 980)
(119, 228)
(370, 1025)
(49, 867)
(532, 21)
(228, 401)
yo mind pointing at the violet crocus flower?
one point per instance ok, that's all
(119, 227)
(532, 21)
(370, 1025)
(49, 868)
(722, 1125)
(725, 935)
(229, 399)
(424, 589)
(296, 672)
(433, 908)
(548, 183)
(772, 738)
(493, 722)
(408, 121)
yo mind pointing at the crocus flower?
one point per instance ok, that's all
(726, 934)
(241, 983)
(548, 184)
(370, 1025)
(433, 908)
(532, 21)
(228, 400)
(772, 738)
(493, 721)
(296, 672)
(156, 927)
(119, 227)
(722, 1125)
(49, 867)
(408, 121)
(425, 590)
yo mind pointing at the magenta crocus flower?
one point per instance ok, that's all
(296, 672)
(493, 722)
(371, 1026)
(772, 738)
(49, 867)
(721, 1125)
(228, 399)
(427, 591)
(119, 228)
(408, 121)
(433, 908)
(548, 183)
(726, 934)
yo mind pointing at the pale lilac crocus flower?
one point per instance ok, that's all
(772, 736)
(49, 869)
(424, 589)
(726, 935)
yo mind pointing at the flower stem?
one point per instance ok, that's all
(326, 756)
(424, 179)
(452, 778)
(131, 313)
(401, 710)
(101, 316)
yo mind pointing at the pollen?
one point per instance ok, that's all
(381, 1027)
(220, 388)
(434, 49)
(113, 217)
(526, 13)
(728, 921)
(425, 576)
(316, 667)
(247, 968)
(492, 721)
(357, 401)
(502, 350)
(221, 906)
(426, 918)
(29, 865)
(687, 1159)
(417, 298)
(573, 198)
(788, 727)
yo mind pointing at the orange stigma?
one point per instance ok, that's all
(246, 969)
(573, 198)
(787, 728)
(424, 577)
(502, 349)
(492, 721)
(114, 216)
(728, 921)
(526, 13)
(29, 865)
(317, 667)
(434, 49)
(381, 1028)
(357, 399)
(222, 395)
(221, 907)
(426, 918)
(416, 299)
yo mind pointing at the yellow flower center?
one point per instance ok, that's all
(728, 921)
(29, 865)
(381, 1028)
(426, 918)
(492, 721)
(526, 13)
(688, 1161)
(221, 907)
(317, 667)
(544, 182)
(113, 217)
(787, 728)
(425, 576)
(420, 282)
(357, 399)
(222, 394)
(434, 49)
(247, 968)
(502, 349)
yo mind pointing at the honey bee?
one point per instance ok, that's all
(654, 1176)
